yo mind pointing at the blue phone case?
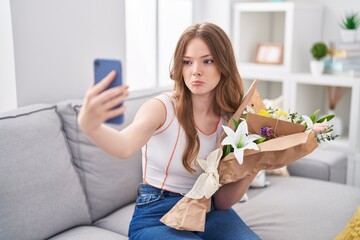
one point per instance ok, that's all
(103, 67)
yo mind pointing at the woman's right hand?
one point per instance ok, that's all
(99, 104)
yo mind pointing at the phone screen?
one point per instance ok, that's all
(103, 67)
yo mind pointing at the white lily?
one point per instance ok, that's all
(240, 140)
(309, 123)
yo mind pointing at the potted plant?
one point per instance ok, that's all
(349, 26)
(319, 50)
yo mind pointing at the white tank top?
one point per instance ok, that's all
(162, 155)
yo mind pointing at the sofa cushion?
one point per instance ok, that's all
(290, 208)
(118, 221)
(107, 180)
(299, 208)
(322, 164)
(88, 233)
(40, 192)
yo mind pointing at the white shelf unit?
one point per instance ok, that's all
(284, 23)
(297, 26)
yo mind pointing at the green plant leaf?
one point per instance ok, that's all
(228, 150)
(236, 123)
(351, 21)
(327, 118)
(260, 140)
(319, 50)
(313, 116)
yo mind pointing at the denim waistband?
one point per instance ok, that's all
(148, 189)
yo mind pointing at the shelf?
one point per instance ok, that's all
(326, 80)
(347, 109)
(281, 23)
(297, 26)
(261, 71)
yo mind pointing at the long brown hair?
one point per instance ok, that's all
(228, 93)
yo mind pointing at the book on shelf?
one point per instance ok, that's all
(344, 53)
(344, 50)
(341, 64)
(349, 73)
(345, 46)
(347, 67)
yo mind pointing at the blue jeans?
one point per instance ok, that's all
(153, 203)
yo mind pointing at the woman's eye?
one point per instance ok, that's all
(186, 62)
(208, 61)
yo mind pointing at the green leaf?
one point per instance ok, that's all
(319, 50)
(260, 140)
(236, 123)
(228, 150)
(327, 118)
(299, 121)
(313, 117)
(350, 21)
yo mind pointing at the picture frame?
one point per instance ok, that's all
(269, 53)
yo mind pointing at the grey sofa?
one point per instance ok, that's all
(55, 184)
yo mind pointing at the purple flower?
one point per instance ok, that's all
(266, 131)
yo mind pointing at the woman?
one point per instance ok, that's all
(173, 130)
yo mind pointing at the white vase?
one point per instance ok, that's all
(358, 35)
(348, 35)
(316, 67)
(337, 122)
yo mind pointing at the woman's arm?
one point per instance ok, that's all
(99, 106)
(231, 193)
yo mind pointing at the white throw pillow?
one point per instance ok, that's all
(260, 180)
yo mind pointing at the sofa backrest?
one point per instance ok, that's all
(109, 183)
(40, 191)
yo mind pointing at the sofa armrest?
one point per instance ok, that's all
(321, 164)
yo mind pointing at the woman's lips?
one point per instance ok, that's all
(197, 82)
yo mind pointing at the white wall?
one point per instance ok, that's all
(56, 41)
(7, 66)
(214, 11)
(333, 13)
(173, 18)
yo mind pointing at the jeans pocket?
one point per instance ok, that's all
(147, 198)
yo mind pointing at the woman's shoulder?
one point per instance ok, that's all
(166, 96)
(164, 102)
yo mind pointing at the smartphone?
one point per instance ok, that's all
(103, 67)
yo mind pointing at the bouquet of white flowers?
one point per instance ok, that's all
(252, 142)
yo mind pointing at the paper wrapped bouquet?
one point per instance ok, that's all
(257, 143)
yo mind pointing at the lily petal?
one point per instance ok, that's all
(242, 129)
(308, 121)
(239, 155)
(252, 145)
(227, 141)
(253, 137)
(229, 132)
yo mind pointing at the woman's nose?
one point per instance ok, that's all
(197, 70)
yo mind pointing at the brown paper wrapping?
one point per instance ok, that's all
(290, 144)
(188, 214)
(279, 127)
(274, 153)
